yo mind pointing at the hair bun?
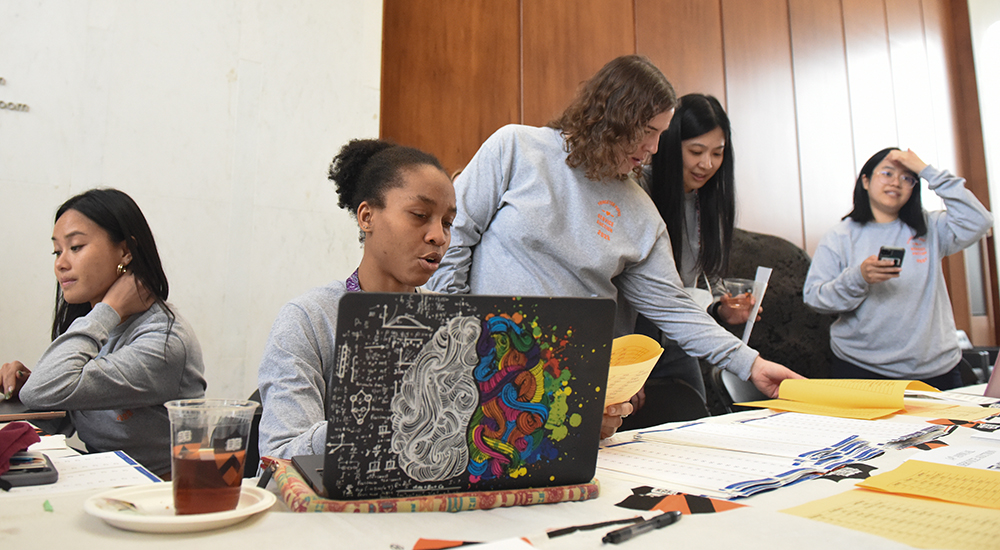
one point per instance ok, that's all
(348, 165)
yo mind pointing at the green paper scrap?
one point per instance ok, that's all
(47, 506)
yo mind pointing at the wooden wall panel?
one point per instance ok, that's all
(450, 74)
(960, 146)
(684, 39)
(822, 101)
(869, 72)
(813, 87)
(960, 71)
(942, 101)
(564, 43)
(912, 86)
(762, 111)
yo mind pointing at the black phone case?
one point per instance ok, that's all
(43, 475)
(891, 253)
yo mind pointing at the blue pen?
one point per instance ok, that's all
(621, 535)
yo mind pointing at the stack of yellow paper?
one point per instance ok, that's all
(843, 398)
(957, 507)
(632, 359)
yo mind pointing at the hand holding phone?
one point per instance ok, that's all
(892, 253)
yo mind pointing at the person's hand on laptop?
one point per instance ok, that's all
(767, 376)
(613, 418)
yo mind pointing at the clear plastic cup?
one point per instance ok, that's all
(739, 293)
(208, 439)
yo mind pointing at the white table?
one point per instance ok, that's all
(25, 525)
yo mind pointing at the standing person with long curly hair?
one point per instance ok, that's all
(557, 211)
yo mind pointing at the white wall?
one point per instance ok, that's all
(219, 118)
(984, 16)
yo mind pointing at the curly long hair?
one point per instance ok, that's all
(607, 119)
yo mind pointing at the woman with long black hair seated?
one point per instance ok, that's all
(119, 351)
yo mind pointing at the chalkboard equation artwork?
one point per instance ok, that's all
(436, 393)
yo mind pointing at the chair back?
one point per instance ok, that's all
(726, 389)
(739, 390)
(252, 463)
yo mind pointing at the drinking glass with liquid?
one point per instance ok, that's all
(739, 293)
(209, 439)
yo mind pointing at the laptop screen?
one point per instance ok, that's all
(993, 386)
(442, 393)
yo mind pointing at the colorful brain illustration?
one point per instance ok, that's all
(522, 400)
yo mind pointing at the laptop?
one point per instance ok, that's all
(993, 386)
(438, 393)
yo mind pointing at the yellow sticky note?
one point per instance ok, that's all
(971, 486)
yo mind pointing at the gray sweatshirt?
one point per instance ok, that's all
(295, 371)
(528, 224)
(114, 379)
(903, 327)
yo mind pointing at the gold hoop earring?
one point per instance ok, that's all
(121, 269)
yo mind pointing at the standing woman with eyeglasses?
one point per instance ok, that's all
(895, 322)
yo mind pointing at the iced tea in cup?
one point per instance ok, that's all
(208, 438)
(739, 293)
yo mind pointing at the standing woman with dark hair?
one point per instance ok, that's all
(556, 211)
(895, 322)
(691, 184)
(118, 350)
(404, 204)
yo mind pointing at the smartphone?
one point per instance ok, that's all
(892, 253)
(30, 468)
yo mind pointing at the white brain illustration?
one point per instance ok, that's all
(437, 396)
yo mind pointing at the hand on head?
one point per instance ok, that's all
(767, 376)
(13, 375)
(907, 159)
(874, 270)
(128, 296)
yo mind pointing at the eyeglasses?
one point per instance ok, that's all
(888, 175)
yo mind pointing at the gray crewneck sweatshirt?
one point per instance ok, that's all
(114, 379)
(903, 327)
(529, 224)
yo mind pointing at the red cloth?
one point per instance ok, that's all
(14, 438)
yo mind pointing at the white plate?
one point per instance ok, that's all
(155, 513)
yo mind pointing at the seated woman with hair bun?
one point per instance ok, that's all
(404, 204)
(118, 351)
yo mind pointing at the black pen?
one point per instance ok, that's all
(621, 535)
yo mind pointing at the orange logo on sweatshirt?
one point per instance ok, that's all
(918, 249)
(607, 212)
